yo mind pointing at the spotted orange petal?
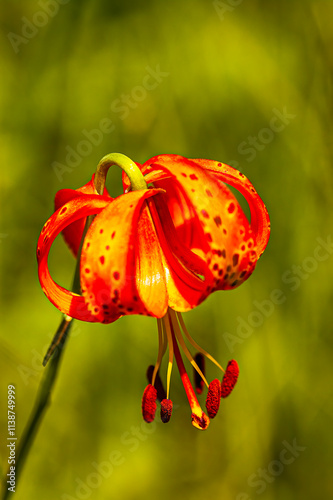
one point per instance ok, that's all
(260, 223)
(77, 208)
(226, 238)
(73, 233)
(121, 266)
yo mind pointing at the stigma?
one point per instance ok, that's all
(172, 333)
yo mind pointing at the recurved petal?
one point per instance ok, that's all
(80, 207)
(121, 268)
(260, 223)
(227, 239)
(73, 233)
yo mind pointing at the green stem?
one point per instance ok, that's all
(130, 168)
(54, 352)
(42, 402)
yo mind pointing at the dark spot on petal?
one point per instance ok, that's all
(63, 210)
(242, 274)
(226, 276)
(208, 193)
(229, 269)
(102, 259)
(220, 272)
(218, 220)
(231, 208)
(215, 267)
(116, 275)
(209, 237)
(184, 175)
(87, 270)
(224, 231)
(219, 164)
(88, 245)
(96, 309)
(250, 244)
(105, 306)
(101, 231)
(224, 253)
(135, 298)
(193, 177)
(234, 283)
(235, 259)
(113, 235)
(107, 247)
(243, 247)
(129, 309)
(205, 214)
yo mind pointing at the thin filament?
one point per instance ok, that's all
(184, 347)
(161, 349)
(195, 345)
(167, 330)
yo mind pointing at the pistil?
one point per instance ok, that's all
(199, 419)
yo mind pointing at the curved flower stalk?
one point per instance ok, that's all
(176, 235)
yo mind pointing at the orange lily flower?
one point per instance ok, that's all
(176, 235)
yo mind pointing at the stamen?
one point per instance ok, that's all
(195, 345)
(180, 339)
(167, 334)
(166, 410)
(199, 418)
(198, 382)
(149, 403)
(162, 343)
(213, 398)
(158, 384)
(230, 378)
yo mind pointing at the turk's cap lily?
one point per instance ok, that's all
(170, 245)
(176, 235)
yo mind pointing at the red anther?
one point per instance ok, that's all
(198, 382)
(149, 403)
(230, 378)
(213, 398)
(166, 410)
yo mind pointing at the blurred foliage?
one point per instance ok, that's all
(226, 70)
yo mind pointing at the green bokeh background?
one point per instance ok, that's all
(227, 67)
